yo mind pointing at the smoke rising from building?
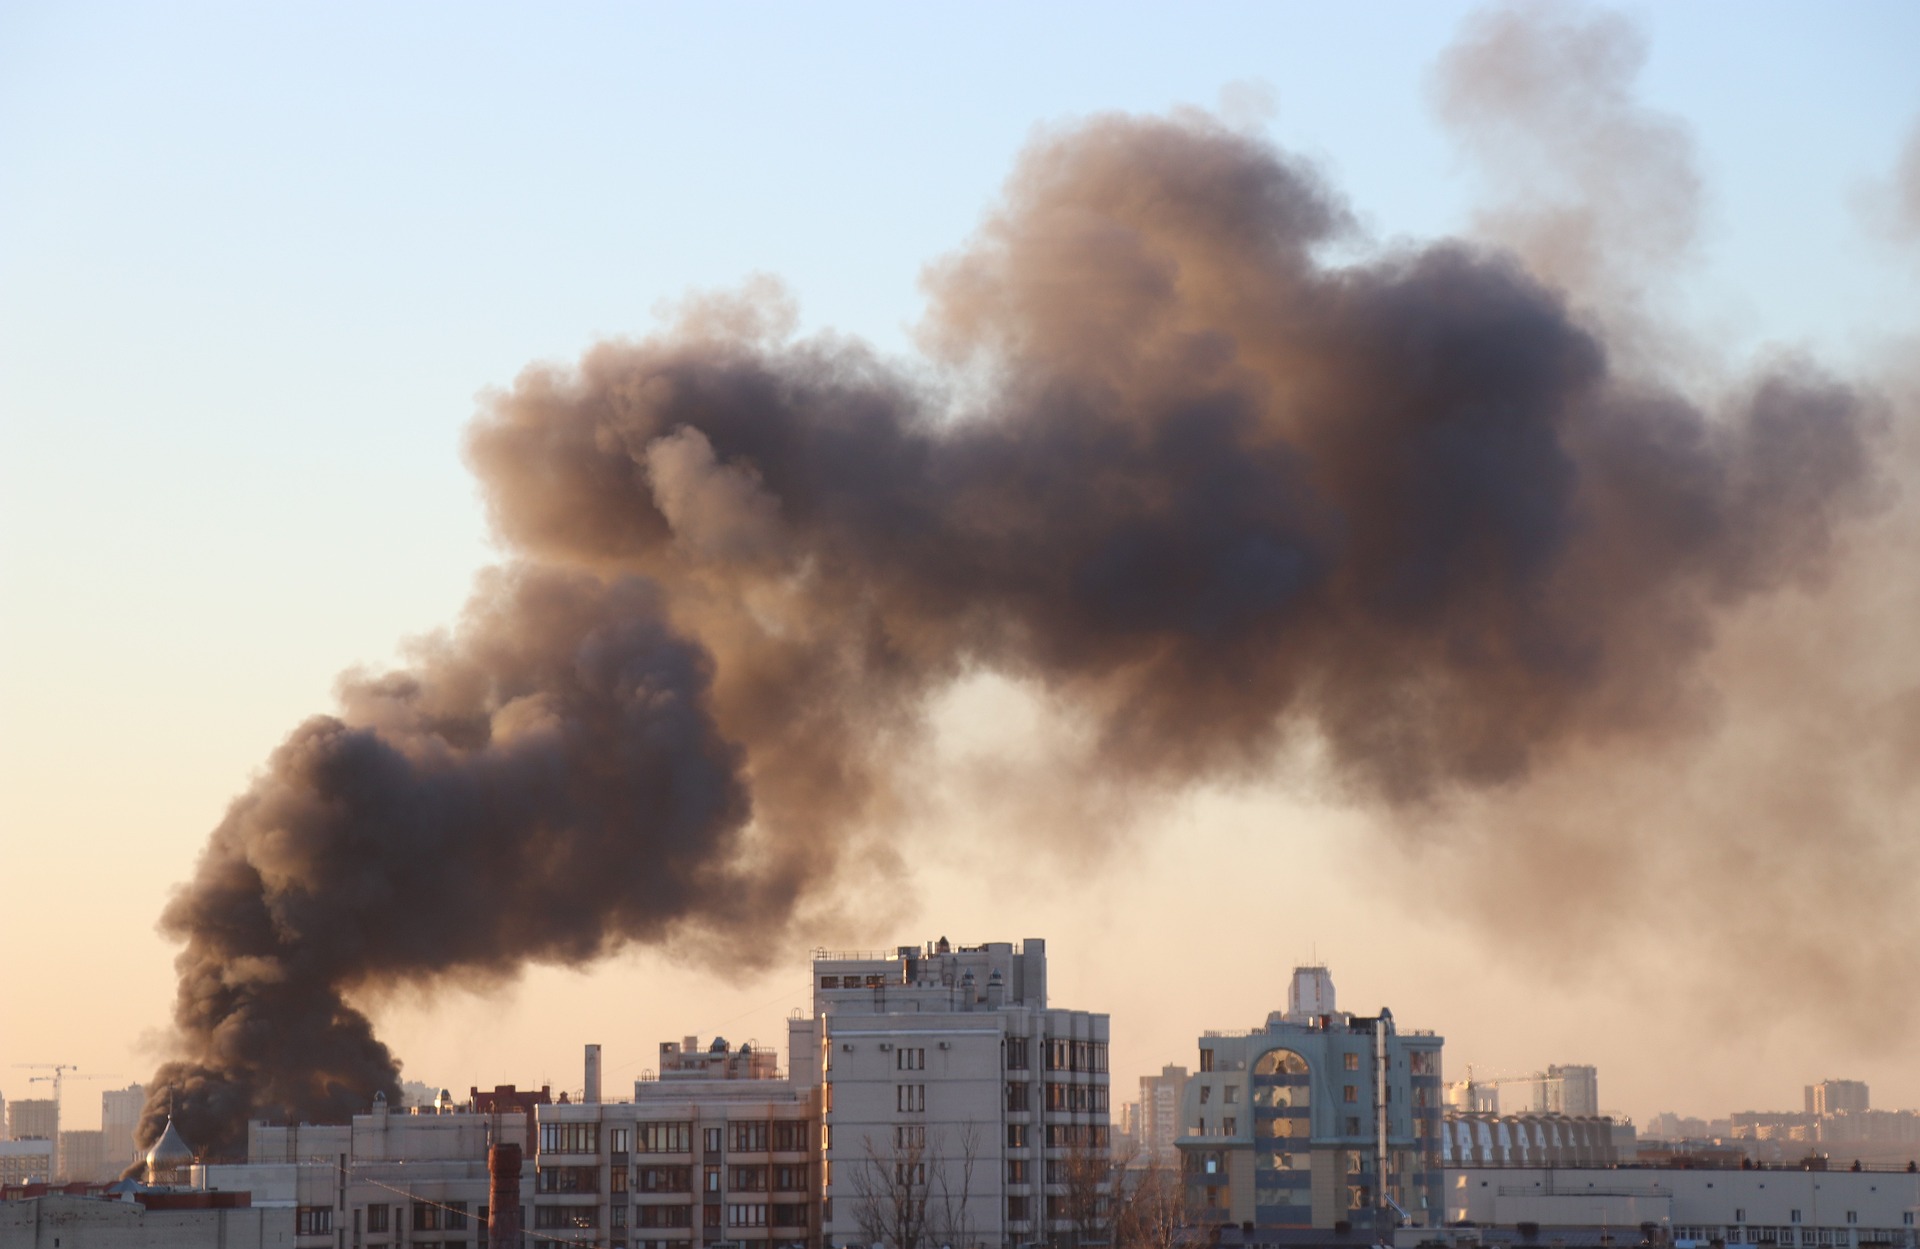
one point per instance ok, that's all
(1213, 494)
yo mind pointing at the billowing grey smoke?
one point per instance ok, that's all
(1209, 492)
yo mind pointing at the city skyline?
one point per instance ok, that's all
(243, 349)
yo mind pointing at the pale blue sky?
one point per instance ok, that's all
(257, 260)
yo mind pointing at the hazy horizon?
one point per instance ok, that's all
(260, 271)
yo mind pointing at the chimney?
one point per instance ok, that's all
(592, 1095)
(503, 1196)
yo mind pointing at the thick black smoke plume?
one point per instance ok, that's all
(1209, 491)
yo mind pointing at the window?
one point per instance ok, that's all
(1350, 1093)
(1352, 1061)
(1206, 1092)
(664, 1216)
(456, 1212)
(1056, 1171)
(789, 1135)
(622, 1141)
(618, 1216)
(713, 1140)
(1793, 1215)
(747, 1138)
(548, 1217)
(665, 1138)
(1229, 1126)
(1017, 1209)
(790, 1215)
(1353, 1126)
(617, 1180)
(1016, 1170)
(1740, 1214)
(1017, 1053)
(313, 1220)
(1016, 1097)
(569, 1138)
(910, 1136)
(1230, 1095)
(1426, 1063)
(710, 1215)
(710, 1179)
(1206, 1060)
(909, 1058)
(377, 1218)
(1853, 1216)
(829, 982)
(567, 1180)
(426, 1217)
(665, 1179)
(791, 1178)
(746, 1216)
(909, 1097)
(906, 1174)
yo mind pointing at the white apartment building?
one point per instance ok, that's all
(957, 1104)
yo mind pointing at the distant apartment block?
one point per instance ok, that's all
(1158, 1129)
(1831, 1097)
(33, 1119)
(119, 1116)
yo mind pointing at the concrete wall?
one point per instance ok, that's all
(91, 1223)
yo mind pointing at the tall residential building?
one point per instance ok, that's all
(950, 1085)
(1318, 1118)
(33, 1119)
(1573, 1090)
(1833, 1096)
(82, 1157)
(1159, 1125)
(119, 1116)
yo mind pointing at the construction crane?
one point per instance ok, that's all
(1540, 1078)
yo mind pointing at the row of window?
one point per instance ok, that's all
(1066, 1055)
(852, 982)
(754, 1136)
(1020, 1208)
(736, 1214)
(1058, 1171)
(1077, 1098)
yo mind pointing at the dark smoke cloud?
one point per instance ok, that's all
(1211, 494)
(542, 784)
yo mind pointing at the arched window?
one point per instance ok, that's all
(1280, 1063)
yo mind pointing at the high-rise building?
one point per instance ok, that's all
(119, 1116)
(948, 1081)
(1160, 1112)
(82, 1157)
(1834, 1096)
(1317, 1118)
(1572, 1090)
(33, 1119)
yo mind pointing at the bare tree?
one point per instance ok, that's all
(1149, 1205)
(952, 1224)
(1088, 1203)
(890, 1190)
